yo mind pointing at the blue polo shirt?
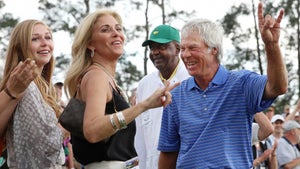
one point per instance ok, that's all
(211, 128)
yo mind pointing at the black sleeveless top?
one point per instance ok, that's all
(119, 146)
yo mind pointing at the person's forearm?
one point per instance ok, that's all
(291, 116)
(7, 107)
(167, 160)
(276, 71)
(273, 162)
(265, 126)
(71, 156)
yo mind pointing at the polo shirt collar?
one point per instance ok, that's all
(219, 78)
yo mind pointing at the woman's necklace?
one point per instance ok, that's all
(107, 72)
(119, 89)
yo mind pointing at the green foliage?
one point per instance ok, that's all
(7, 22)
(53, 12)
(230, 21)
(2, 4)
(62, 62)
(127, 73)
(246, 54)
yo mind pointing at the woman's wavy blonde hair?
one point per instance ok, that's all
(19, 50)
(81, 55)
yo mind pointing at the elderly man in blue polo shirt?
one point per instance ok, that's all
(208, 123)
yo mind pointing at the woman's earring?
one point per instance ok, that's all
(92, 53)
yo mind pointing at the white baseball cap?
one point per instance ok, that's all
(277, 117)
(57, 80)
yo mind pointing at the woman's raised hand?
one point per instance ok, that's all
(161, 97)
(22, 75)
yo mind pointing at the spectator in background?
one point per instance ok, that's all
(288, 155)
(270, 112)
(164, 45)
(277, 122)
(58, 85)
(68, 150)
(294, 113)
(264, 157)
(286, 111)
(70, 162)
(261, 129)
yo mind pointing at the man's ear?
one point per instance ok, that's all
(214, 51)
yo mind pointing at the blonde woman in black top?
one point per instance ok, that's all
(108, 125)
